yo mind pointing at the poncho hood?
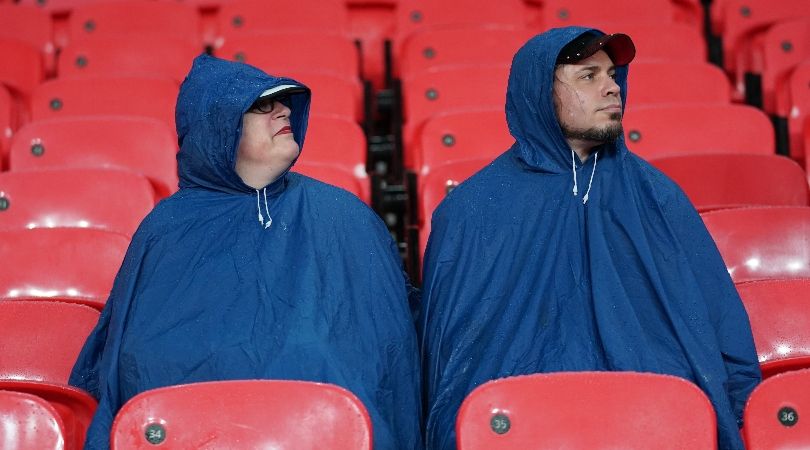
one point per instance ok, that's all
(213, 99)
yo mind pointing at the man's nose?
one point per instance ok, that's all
(611, 87)
(283, 111)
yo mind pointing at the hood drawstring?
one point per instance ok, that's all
(266, 209)
(590, 181)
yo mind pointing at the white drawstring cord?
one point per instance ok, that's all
(270, 219)
(590, 182)
(574, 172)
(258, 208)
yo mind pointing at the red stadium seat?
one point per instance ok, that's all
(776, 413)
(447, 138)
(40, 343)
(660, 41)
(337, 142)
(332, 94)
(587, 410)
(29, 422)
(561, 13)
(243, 414)
(72, 264)
(336, 176)
(30, 25)
(718, 181)
(797, 109)
(440, 47)
(779, 311)
(7, 124)
(763, 242)
(27, 69)
(239, 16)
(652, 83)
(448, 89)
(668, 130)
(139, 144)
(785, 46)
(80, 198)
(126, 96)
(134, 17)
(124, 55)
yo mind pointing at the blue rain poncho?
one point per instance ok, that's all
(207, 292)
(522, 277)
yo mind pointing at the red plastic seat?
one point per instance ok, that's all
(440, 47)
(128, 55)
(797, 109)
(294, 51)
(762, 243)
(336, 176)
(29, 422)
(134, 17)
(59, 7)
(7, 124)
(39, 345)
(30, 25)
(785, 46)
(660, 42)
(587, 410)
(338, 142)
(776, 413)
(447, 138)
(667, 130)
(332, 94)
(125, 96)
(717, 181)
(71, 264)
(27, 70)
(243, 414)
(139, 144)
(686, 82)
(779, 311)
(78, 198)
(561, 13)
(447, 90)
(239, 16)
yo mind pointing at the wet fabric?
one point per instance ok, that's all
(521, 277)
(206, 292)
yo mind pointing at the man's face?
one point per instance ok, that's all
(267, 139)
(586, 99)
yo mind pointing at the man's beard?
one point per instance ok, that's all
(608, 133)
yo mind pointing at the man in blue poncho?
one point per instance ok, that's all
(569, 253)
(251, 271)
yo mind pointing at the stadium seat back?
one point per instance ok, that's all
(29, 422)
(580, 410)
(243, 414)
(776, 413)
(562, 13)
(761, 243)
(28, 24)
(779, 311)
(799, 110)
(239, 16)
(413, 15)
(112, 200)
(99, 20)
(22, 68)
(668, 130)
(785, 46)
(660, 41)
(332, 94)
(73, 264)
(717, 181)
(658, 83)
(142, 145)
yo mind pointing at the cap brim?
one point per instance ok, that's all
(618, 46)
(283, 89)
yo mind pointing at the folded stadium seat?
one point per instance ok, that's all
(336, 176)
(142, 145)
(722, 180)
(667, 130)
(439, 47)
(7, 124)
(776, 413)
(779, 311)
(794, 107)
(742, 25)
(450, 137)
(299, 51)
(29, 422)
(26, 71)
(434, 186)
(561, 13)
(660, 42)
(762, 243)
(243, 414)
(129, 55)
(452, 88)
(332, 94)
(338, 142)
(111, 200)
(785, 45)
(86, 96)
(72, 264)
(39, 344)
(580, 410)
(99, 20)
(239, 16)
(686, 82)
(30, 25)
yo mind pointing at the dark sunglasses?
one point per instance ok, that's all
(264, 105)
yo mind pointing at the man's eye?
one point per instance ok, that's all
(587, 76)
(612, 75)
